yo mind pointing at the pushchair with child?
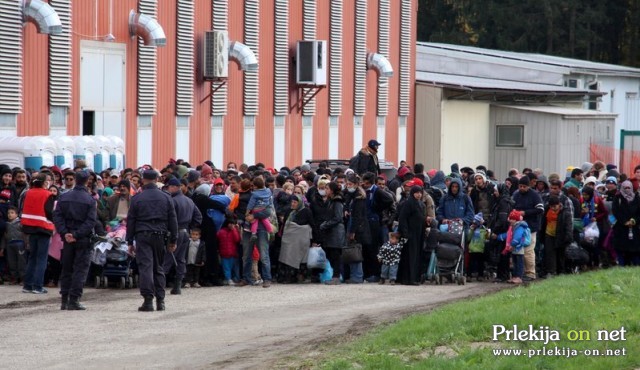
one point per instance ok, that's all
(447, 260)
(113, 261)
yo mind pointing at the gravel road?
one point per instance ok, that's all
(223, 327)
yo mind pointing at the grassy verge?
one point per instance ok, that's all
(460, 335)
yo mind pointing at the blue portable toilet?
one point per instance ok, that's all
(65, 151)
(117, 157)
(27, 151)
(85, 149)
(103, 155)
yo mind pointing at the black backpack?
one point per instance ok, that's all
(436, 194)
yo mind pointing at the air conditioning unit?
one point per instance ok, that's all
(311, 63)
(216, 55)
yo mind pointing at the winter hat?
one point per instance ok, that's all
(415, 189)
(455, 168)
(206, 170)
(193, 176)
(590, 180)
(515, 215)
(218, 181)
(611, 167)
(611, 179)
(432, 172)
(478, 219)
(5, 170)
(524, 180)
(418, 182)
(586, 167)
(305, 167)
(403, 171)
(203, 189)
(611, 173)
(481, 174)
(5, 194)
(182, 170)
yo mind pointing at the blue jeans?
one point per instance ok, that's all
(37, 262)
(247, 252)
(389, 271)
(356, 274)
(518, 265)
(231, 268)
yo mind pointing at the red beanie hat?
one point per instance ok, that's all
(206, 170)
(515, 215)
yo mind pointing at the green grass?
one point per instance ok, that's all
(459, 335)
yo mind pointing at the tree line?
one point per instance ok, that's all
(600, 31)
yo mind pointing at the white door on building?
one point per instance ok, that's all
(102, 88)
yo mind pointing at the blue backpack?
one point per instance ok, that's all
(526, 237)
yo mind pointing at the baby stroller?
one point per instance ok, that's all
(447, 260)
(117, 264)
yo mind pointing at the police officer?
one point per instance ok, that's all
(188, 215)
(75, 218)
(151, 221)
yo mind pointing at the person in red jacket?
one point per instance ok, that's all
(37, 223)
(229, 237)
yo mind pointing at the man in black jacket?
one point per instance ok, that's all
(530, 203)
(378, 201)
(366, 160)
(75, 218)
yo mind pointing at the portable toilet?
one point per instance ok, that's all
(117, 157)
(103, 155)
(85, 149)
(66, 150)
(27, 151)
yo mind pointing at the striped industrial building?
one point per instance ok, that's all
(136, 69)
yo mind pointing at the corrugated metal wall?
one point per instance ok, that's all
(428, 133)
(91, 23)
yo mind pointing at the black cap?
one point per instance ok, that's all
(524, 180)
(373, 143)
(173, 182)
(82, 177)
(150, 175)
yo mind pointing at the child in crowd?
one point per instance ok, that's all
(478, 236)
(517, 238)
(195, 259)
(255, 274)
(12, 246)
(229, 237)
(389, 257)
(260, 207)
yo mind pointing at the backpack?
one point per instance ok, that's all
(526, 237)
(354, 163)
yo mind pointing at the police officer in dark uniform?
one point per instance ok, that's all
(75, 218)
(151, 222)
(188, 215)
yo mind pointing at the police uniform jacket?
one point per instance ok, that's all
(187, 213)
(76, 213)
(152, 211)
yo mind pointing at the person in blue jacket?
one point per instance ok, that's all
(455, 205)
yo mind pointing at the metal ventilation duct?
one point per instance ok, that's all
(148, 28)
(43, 16)
(243, 55)
(379, 63)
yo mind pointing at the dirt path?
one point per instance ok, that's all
(229, 327)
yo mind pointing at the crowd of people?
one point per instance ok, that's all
(253, 225)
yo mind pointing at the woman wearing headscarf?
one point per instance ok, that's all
(296, 238)
(412, 223)
(334, 231)
(212, 269)
(594, 210)
(103, 206)
(499, 224)
(626, 234)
